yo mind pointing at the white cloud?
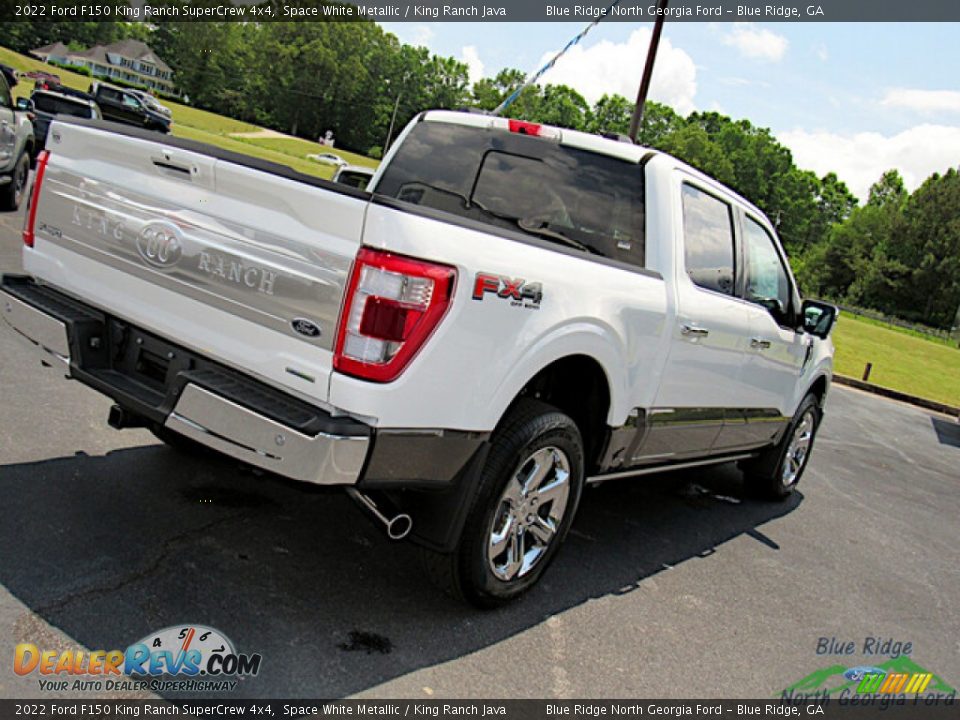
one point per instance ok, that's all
(822, 52)
(924, 101)
(735, 81)
(607, 67)
(471, 57)
(421, 36)
(756, 43)
(860, 159)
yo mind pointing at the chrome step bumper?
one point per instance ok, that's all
(47, 322)
(243, 434)
(41, 334)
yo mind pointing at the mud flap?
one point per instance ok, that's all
(439, 516)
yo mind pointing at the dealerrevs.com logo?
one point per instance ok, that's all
(180, 657)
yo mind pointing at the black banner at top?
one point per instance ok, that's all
(483, 10)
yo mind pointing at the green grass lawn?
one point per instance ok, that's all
(901, 360)
(297, 147)
(308, 167)
(204, 126)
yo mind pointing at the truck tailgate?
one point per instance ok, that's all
(245, 264)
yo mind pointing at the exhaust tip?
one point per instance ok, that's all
(399, 527)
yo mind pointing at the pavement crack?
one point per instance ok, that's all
(136, 575)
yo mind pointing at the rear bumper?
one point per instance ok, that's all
(226, 426)
(43, 335)
(170, 386)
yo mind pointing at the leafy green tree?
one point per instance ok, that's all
(888, 189)
(611, 113)
(488, 93)
(564, 107)
(693, 145)
(659, 122)
(928, 243)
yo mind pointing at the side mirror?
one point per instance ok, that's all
(25, 104)
(818, 318)
(773, 305)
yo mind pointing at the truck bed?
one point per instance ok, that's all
(242, 260)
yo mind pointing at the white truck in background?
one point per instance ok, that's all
(510, 311)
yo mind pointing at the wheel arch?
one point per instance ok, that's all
(578, 385)
(818, 388)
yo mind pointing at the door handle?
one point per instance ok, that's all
(759, 343)
(693, 331)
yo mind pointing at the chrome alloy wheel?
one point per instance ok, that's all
(799, 448)
(529, 513)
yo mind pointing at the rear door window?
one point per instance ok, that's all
(767, 283)
(536, 186)
(708, 248)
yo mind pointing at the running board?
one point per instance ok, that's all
(667, 468)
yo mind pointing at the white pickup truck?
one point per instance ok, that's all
(511, 312)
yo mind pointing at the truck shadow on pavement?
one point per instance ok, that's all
(111, 548)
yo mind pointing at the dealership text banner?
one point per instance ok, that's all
(484, 10)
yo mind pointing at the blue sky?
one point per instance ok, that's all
(856, 98)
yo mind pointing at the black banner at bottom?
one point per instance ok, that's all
(879, 706)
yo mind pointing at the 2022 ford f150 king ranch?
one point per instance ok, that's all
(512, 312)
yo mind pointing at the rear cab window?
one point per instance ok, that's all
(535, 186)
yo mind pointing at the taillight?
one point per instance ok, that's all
(28, 236)
(392, 306)
(521, 127)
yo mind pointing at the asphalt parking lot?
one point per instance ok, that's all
(670, 586)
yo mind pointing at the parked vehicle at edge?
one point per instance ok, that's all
(152, 103)
(45, 105)
(327, 159)
(353, 175)
(513, 312)
(16, 146)
(9, 73)
(124, 106)
(40, 75)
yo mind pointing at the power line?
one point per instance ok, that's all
(537, 75)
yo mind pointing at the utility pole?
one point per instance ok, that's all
(648, 70)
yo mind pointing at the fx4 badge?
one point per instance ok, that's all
(520, 292)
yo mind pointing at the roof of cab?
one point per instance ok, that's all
(589, 142)
(573, 138)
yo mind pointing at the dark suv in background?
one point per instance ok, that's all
(125, 107)
(44, 105)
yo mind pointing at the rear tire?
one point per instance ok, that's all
(525, 502)
(12, 194)
(774, 475)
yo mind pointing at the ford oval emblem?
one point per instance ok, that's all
(305, 327)
(160, 244)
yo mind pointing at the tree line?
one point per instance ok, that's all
(899, 253)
